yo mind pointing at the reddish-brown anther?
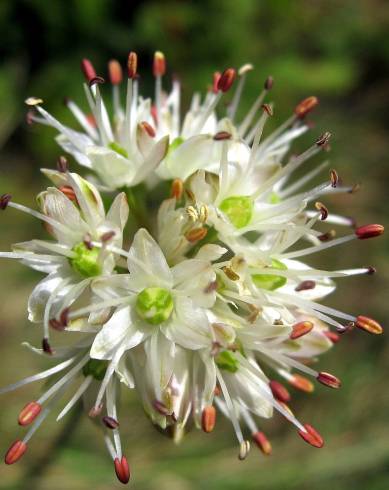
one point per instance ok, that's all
(29, 413)
(306, 106)
(323, 210)
(369, 231)
(15, 452)
(62, 164)
(279, 391)
(110, 422)
(268, 109)
(132, 65)
(323, 139)
(222, 135)
(88, 70)
(368, 324)
(329, 380)
(301, 383)
(305, 285)
(196, 234)
(311, 436)
(332, 336)
(262, 442)
(269, 82)
(334, 177)
(122, 469)
(301, 328)
(226, 79)
(208, 419)
(148, 129)
(177, 189)
(115, 72)
(95, 411)
(215, 81)
(4, 200)
(69, 192)
(159, 64)
(46, 347)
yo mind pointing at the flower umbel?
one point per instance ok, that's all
(210, 307)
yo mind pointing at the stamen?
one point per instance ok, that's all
(306, 106)
(46, 347)
(328, 379)
(196, 234)
(177, 189)
(323, 210)
(208, 419)
(369, 231)
(122, 470)
(279, 391)
(29, 413)
(132, 65)
(222, 135)
(301, 383)
(238, 92)
(269, 82)
(110, 422)
(368, 324)
(4, 200)
(159, 64)
(262, 442)
(334, 178)
(115, 72)
(323, 139)
(226, 79)
(88, 70)
(77, 395)
(148, 129)
(62, 164)
(311, 436)
(332, 336)
(215, 81)
(305, 286)
(300, 329)
(15, 452)
(69, 192)
(161, 408)
(244, 450)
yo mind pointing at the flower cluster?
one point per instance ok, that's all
(209, 305)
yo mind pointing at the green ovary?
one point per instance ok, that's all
(227, 361)
(154, 305)
(95, 368)
(239, 210)
(270, 281)
(85, 260)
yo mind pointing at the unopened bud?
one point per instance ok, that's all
(15, 452)
(115, 72)
(122, 470)
(329, 380)
(369, 231)
(159, 64)
(279, 391)
(306, 106)
(226, 79)
(208, 419)
(262, 442)
(29, 413)
(368, 324)
(311, 436)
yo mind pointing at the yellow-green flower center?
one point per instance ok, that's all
(270, 281)
(95, 368)
(239, 210)
(227, 361)
(85, 260)
(154, 305)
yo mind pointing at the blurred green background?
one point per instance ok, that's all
(337, 50)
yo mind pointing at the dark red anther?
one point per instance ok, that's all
(369, 231)
(262, 442)
(29, 413)
(323, 210)
(311, 436)
(56, 325)
(122, 470)
(327, 236)
(332, 336)
(215, 82)
(334, 177)
(64, 317)
(148, 129)
(279, 391)
(96, 81)
(62, 164)
(226, 79)
(306, 106)
(269, 82)
(4, 200)
(301, 328)
(15, 452)
(88, 70)
(110, 422)
(46, 347)
(132, 65)
(305, 285)
(222, 135)
(115, 72)
(329, 380)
